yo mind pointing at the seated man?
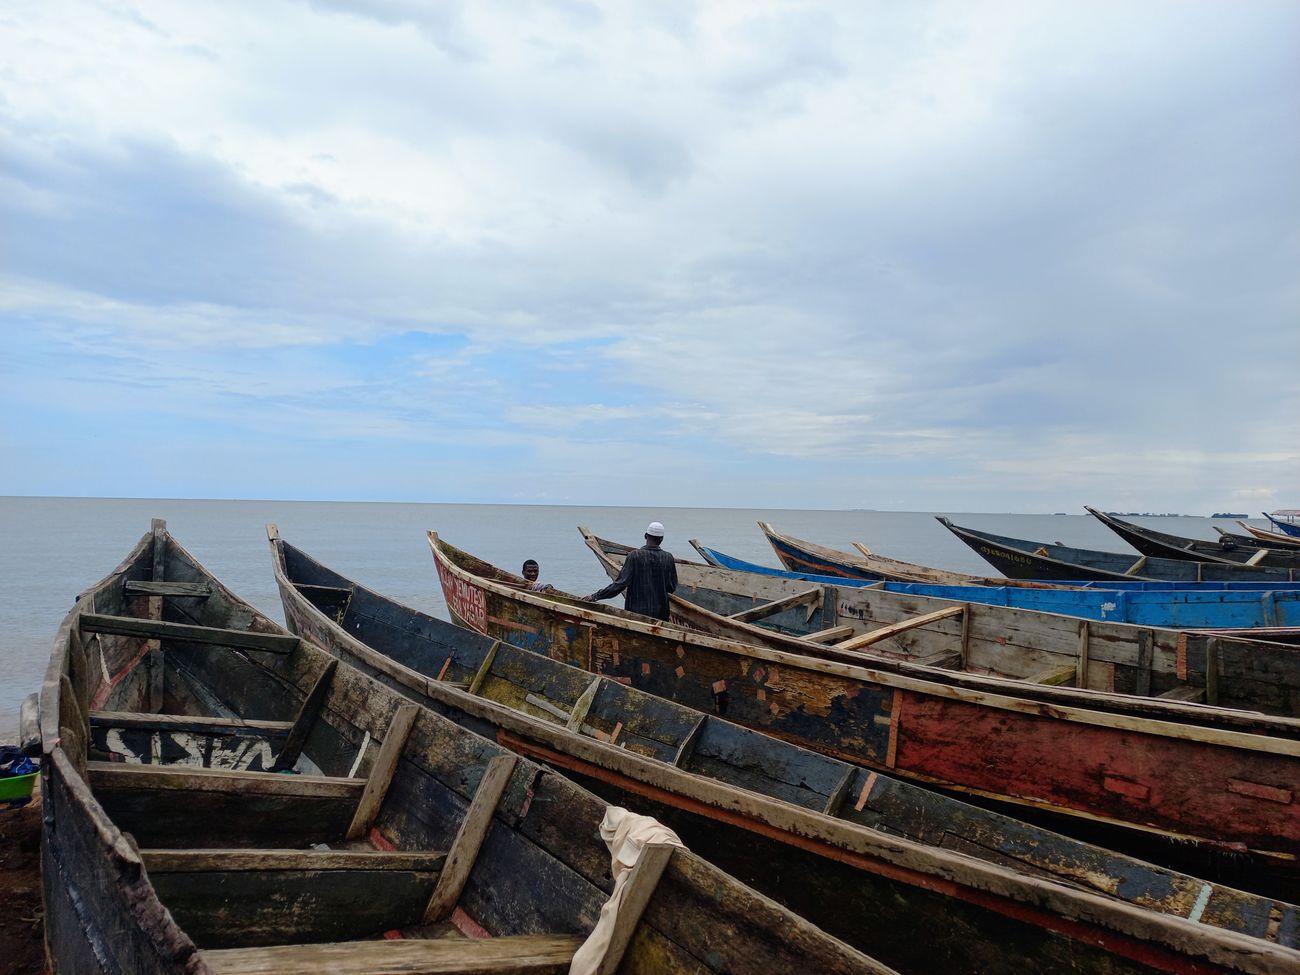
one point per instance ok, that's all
(530, 572)
(649, 575)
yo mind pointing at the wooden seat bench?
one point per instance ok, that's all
(517, 955)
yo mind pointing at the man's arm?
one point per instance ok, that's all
(615, 587)
(672, 576)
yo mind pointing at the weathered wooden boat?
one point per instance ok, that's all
(1043, 649)
(1226, 606)
(803, 556)
(1174, 772)
(1230, 549)
(401, 842)
(1024, 559)
(1276, 539)
(1285, 520)
(865, 856)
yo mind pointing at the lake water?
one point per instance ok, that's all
(53, 548)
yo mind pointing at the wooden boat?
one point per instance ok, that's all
(1043, 649)
(802, 556)
(1276, 539)
(1219, 606)
(1023, 559)
(1285, 520)
(402, 842)
(886, 855)
(1175, 772)
(1230, 550)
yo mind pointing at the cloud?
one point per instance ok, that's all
(952, 255)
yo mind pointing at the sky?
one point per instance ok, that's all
(917, 256)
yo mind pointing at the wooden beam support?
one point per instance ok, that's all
(943, 659)
(836, 799)
(863, 549)
(687, 746)
(828, 635)
(1081, 662)
(479, 675)
(239, 860)
(1055, 676)
(469, 838)
(195, 590)
(764, 610)
(1258, 557)
(1136, 567)
(582, 706)
(190, 723)
(967, 611)
(381, 772)
(1184, 692)
(641, 884)
(159, 779)
(527, 954)
(1146, 652)
(1212, 670)
(184, 632)
(305, 719)
(894, 629)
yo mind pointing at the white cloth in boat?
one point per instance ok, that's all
(626, 834)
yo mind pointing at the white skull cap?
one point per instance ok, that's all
(656, 529)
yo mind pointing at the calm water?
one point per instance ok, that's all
(55, 547)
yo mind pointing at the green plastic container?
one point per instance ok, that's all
(17, 786)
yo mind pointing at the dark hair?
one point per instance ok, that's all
(528, 562)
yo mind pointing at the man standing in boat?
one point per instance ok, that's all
(649, 575)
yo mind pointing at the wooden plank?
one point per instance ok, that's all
(196, 590)
(967, 611)
(381, 772)
(235, 859)
(305, 719)
(1185, 692)
(120, 777)
(479, 675)
(943, 659)
(765, 610)
(529, 954)
(1258, 557)
(687, 747)
(1144, 657)
(641, 886)
(191, 723)
(894, 629)
(184, 806)
(550, 707)
(1136, 567)
(469, 838)
(830, 634)
(160, 630)
(1081, 662)
(836, 799)
(1055, 676)
(1212, 670)
(582, 706)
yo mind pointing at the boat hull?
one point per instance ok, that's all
(1152, 776)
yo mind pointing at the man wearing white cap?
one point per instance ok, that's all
(649, 575)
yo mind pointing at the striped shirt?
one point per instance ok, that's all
(648, 576)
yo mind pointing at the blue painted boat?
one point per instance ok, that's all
(1286, 520)
(1208, 605)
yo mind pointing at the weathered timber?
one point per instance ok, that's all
(303, 721)
(525, 954)
(469, 838)
(162, 630)
(191, 723)
(809, 596)
(894, 629)
(381, 772)
(195, 590)
(641, 884)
